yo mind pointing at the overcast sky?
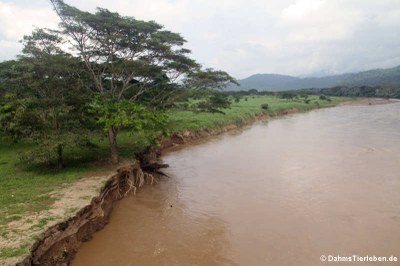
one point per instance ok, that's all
(245, 37)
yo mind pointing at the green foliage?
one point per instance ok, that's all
(209, 79)
(264, 106)
(287, 95)
(125, 114)
(324, 98)
(12, 73)
(14, 252)
(303, 95)
(135, 55)
(213, 103)
(15, 120)
(45, 99)
(387, 91)
(49, 124)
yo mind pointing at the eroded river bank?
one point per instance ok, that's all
(280, 193)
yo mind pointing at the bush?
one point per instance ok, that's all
(264, 106)
(326, 98)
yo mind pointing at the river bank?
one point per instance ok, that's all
(367, 101)
(69, 199)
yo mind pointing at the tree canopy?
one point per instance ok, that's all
(100, 72)
(45, 100)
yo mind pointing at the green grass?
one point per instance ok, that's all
(43, 222)
(26, 189)
(240, 112)
(23, 189)
(14, 252)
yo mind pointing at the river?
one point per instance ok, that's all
(282, 192)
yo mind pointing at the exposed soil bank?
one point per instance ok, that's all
(58, 245)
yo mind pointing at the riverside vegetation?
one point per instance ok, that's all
(66, 115)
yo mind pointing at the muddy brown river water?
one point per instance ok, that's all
(283, 192)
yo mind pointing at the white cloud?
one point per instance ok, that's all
(319, 20)
(302, 9)
(8, 49)
(17, 21)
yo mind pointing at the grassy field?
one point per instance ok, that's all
(239, 112)
(26, 189)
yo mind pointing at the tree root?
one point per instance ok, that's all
(134, 176)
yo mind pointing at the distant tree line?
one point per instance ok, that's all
(387, 91)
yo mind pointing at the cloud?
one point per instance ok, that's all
(245, 37)
(319, 20)
(8, 49)
(17, 21)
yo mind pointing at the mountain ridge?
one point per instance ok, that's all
(279, 82)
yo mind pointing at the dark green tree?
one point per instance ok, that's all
(127, 59)
(45, 99)
(288, 95)
(214, 102)
(209, 79)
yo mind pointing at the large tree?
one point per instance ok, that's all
(126, 58)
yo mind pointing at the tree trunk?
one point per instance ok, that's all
(60, 160)
(112, 137)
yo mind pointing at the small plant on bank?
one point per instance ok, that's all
(264, 106)
(325, 98)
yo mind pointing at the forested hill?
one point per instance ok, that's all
(275, 82)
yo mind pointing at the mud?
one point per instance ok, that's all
(60, 242)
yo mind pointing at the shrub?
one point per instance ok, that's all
(264, 106)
